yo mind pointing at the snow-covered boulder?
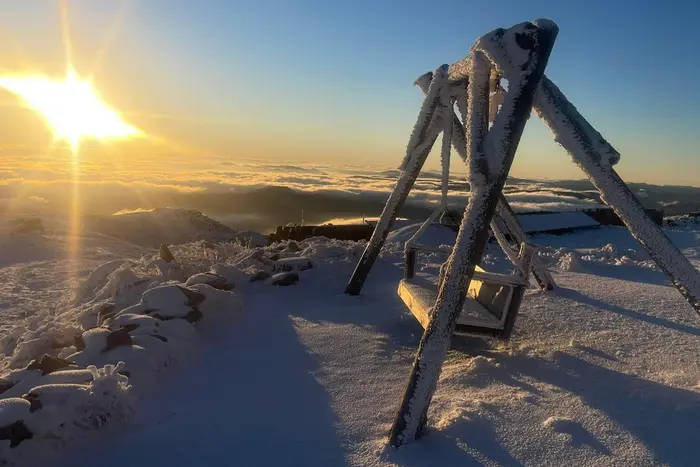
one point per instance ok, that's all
(260, 276)
(43, 336)
(171, 301)
(284, 278)
(133, 356)
(58, 409)
(211, 279)
(135, 324)
(22, 381)
(13, 415)
(74, 376)
(48, 364)
(102, 339)
(233, 274)
(5, 384)
(97, 279)
(65, 395)
(293, 264)
(121, 282)
(218, 301)
(256, 259)
(93, 313)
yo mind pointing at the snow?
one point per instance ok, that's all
(435, 235)
(532, 223)
(293, 264)
(163, 225)
(595, 157)
(12, 410)
(307, 375)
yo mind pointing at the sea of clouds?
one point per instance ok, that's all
(260, 194)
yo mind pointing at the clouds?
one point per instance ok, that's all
(255, 194)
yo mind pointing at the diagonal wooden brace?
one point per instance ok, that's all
(515, 231)
(425, 132)
(513, 228)
(596, 157)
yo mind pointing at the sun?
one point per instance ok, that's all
(71, 106)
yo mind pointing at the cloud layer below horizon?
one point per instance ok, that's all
(104, 186)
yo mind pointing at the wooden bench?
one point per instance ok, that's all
(492, 301)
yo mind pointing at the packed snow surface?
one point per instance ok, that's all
(555, 221)
(604, 371)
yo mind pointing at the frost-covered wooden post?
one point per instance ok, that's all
(425, 132)
(523, 52)
(516, 231)
(500, 235)
(596, 157)
(512, 225)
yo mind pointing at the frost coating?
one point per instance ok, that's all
(488, 166)
(478, 164)
(425, 132)
(593, 155)
(446, 101)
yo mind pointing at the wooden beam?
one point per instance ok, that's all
(514, 229)
(595, 157)
(489, 158)
(424, 134)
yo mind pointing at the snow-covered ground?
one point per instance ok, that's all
(604, 371)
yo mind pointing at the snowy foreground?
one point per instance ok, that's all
(602, 372)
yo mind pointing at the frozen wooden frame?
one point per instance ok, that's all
(586, 147)
(518, 54)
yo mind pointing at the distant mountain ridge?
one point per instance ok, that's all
(162, 225)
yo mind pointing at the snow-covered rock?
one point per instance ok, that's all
(218, 301)
(135, 324)
(97, 279)
(48, 364)
(13, 415)
(284, 278)
(293, 264)
(133, 356)
(233, 274)
(121, 283)
(211, 279)
(57, 394)
(260, 276)
(76, 376)
(171, 301)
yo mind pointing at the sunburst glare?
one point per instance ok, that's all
(71, 106)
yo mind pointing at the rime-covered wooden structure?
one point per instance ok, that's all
(486, 138)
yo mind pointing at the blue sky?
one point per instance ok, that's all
(331, 81)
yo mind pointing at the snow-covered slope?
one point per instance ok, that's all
(161, 225)
(601, 372)
(536, 222)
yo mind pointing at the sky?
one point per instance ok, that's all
(331, 81)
